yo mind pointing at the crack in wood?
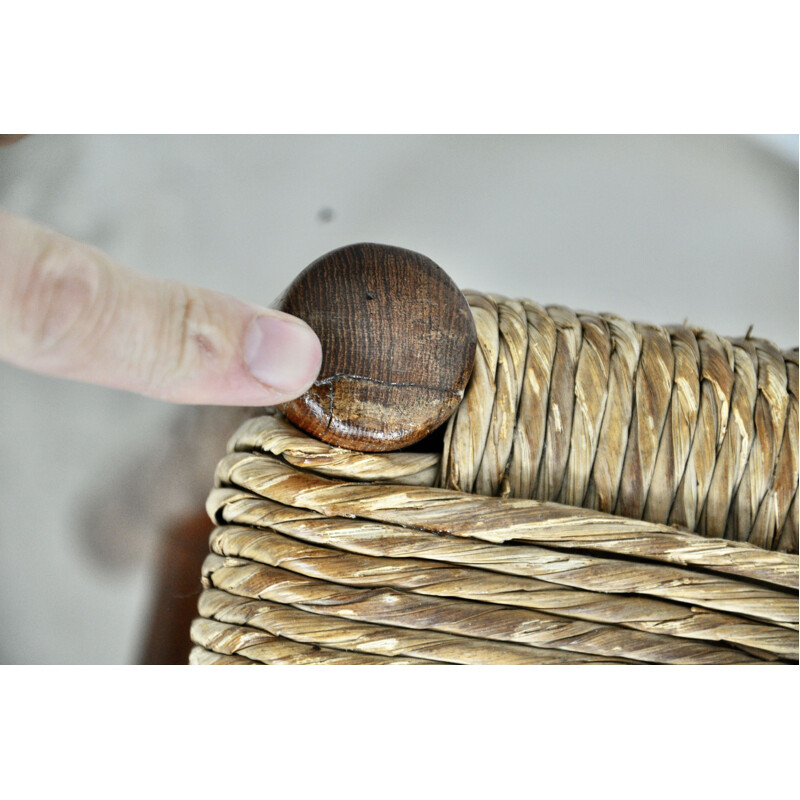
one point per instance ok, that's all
(400, 384)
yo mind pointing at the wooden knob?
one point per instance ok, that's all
(398, 344)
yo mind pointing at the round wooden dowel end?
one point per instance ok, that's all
(398, 344)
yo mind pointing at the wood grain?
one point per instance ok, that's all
(398, 342)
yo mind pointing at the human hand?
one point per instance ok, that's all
(68, 310)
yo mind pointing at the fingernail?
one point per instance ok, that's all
(282, 353)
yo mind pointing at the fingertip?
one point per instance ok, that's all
(283, 353)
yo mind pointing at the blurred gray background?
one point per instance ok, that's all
(656, 228)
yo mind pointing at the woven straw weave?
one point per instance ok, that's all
(680, 446)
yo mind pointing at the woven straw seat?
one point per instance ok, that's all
(606, 492)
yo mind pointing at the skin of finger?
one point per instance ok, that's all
(68, 310)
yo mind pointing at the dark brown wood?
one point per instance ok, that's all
(398, 344)
(177, 587)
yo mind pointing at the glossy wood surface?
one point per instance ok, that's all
(398, 342)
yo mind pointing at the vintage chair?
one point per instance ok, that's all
(602, 490)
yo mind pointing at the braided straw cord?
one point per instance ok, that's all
(200, 656)
(481, 555)
(415, 572)
(256, 646)
(672, 425)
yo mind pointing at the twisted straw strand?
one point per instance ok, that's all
(576, 570)
(489, 622)
(672, 425)
(607, 492)
(448, 581)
